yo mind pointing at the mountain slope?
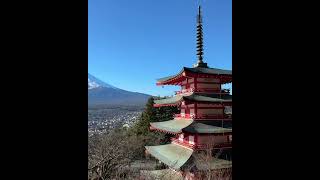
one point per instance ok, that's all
(94, 82)
(100, 92)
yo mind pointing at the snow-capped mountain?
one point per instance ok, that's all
(94, 82)
(100, 92)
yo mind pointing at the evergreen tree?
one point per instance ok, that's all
(152, 114)
(147, 116)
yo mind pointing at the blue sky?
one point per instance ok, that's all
(131, 43)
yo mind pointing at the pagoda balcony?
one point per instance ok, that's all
(212, 90)
(183, 91)
(187, 116)
(183, 143)
(203, 90)
(213, 146)
(205, 116)
(213, 116)
(201, 146)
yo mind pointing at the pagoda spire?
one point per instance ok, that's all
(200, 62)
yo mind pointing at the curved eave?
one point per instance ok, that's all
(211, 71)
(224, 75)
(176, 100)
(200, 128)
(175, 156)
(171, 101)
(172, 80)
(174, 126)
(199, 98)
(162, 105)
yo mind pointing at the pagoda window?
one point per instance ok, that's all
(183, 111)
(191, 140)
(181, 136)
(228, 109)
(192, 111)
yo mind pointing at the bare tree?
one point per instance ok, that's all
(207, 168)
(109, 156)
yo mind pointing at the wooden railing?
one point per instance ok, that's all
(189, 90)
(209, 90)
(205, 116)
(188, 116)
(185, 144)
(210, 116)
(201, 146)
(213, 146)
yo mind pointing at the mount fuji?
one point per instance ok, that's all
(101, 93)
(94, 82)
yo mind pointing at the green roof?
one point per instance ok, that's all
(176, 156)
(172, 155)
(199, 70)
(192, 97)
(209, 70)
(186, 125)
(200, 98)
(170, 100)
(166, 78)
(204, 128)
(175, 125)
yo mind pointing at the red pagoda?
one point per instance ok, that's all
(202, 145)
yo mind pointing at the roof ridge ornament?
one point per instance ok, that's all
(200, 62)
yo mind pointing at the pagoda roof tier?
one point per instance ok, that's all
(224, 124)
(175, 100)
(202, 128)
(172, 126)
(177, 126)
(177, 156)
(224, 75)
(172, 155)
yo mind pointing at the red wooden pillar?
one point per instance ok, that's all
(196, 109)
(195, 83)
(187, 84)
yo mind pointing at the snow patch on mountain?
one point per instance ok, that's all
(94, 82)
